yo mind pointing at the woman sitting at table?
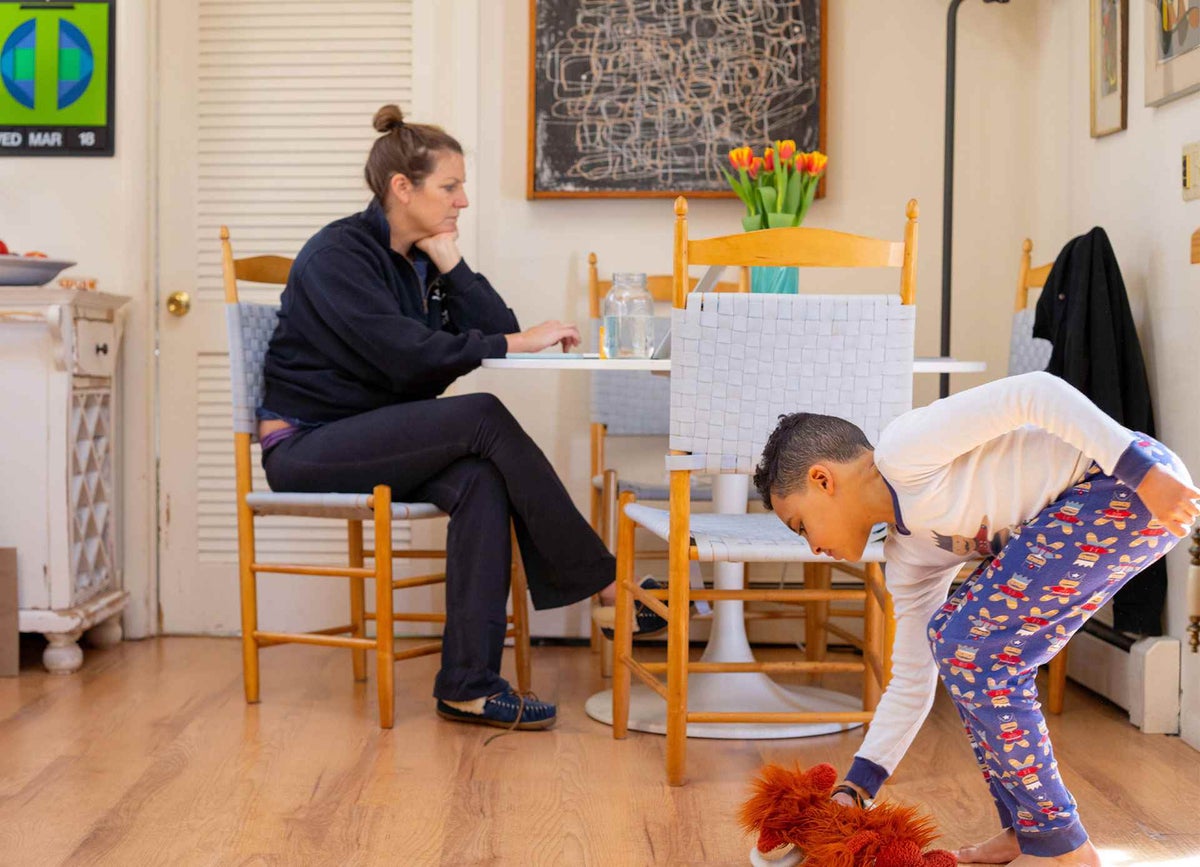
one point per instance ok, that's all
(380, 315)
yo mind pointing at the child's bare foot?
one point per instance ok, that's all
(1001, 849)
(1085, 856)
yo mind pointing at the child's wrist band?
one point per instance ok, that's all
(853, 793)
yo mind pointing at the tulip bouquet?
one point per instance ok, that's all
(777, 188)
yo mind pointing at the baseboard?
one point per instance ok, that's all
(1143, 680)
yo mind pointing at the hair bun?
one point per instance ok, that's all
(388, 118)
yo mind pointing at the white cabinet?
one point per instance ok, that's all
(60, 506)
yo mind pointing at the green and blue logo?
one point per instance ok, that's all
(53, 65)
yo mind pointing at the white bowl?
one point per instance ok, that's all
(29, 270)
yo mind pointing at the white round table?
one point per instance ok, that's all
(727, 640)
(581, 361)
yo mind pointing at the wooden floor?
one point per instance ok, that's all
(149, 756)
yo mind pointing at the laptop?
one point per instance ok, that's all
(662, 347)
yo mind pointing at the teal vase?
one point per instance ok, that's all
(775, 281)
(772, 280)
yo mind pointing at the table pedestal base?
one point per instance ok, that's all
(731, 692)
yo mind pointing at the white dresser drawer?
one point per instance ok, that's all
(95, 347)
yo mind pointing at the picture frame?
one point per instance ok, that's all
(1172, 58)
(622, 105)
(72, 48)
(1108, 79)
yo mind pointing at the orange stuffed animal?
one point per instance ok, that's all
(793, 806)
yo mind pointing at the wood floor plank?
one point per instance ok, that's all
(150, 756)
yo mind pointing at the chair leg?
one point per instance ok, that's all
(608, 521)
(596, 641)
(597, 522)
(247, 580)
(603, 503)
(357, 598)
(818, 576)
(520, 608)
(597, 517)
(1058, 681)
(873, 637)
(249, 592)
(678, 597)
(384, 636)
(623, 625)
(607, 653)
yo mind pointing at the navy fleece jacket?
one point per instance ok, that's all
(357, 331)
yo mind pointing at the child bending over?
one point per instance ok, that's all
(1066, 506)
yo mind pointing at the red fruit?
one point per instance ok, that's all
(3, 248)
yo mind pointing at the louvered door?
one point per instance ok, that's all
(265, 122)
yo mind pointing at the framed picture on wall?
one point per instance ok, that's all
(647, 99)
(1109, 65)
(1172, 49)
(57, 64)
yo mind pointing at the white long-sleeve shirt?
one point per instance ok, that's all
(964, 472)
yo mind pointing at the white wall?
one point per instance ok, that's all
(1129, 183)
(885, 102)
(95, 211)
(885, 115)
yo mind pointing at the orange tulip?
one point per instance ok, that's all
(756, 166)
(739, 158)
(769, 159)
(818, 161)
(787, 148)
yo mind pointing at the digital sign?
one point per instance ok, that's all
(56, 78)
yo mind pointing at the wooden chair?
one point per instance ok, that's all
(628, 404)
(1027, 353)
(699, 334)
(1030, 277)
(603, 503)
(250, 330)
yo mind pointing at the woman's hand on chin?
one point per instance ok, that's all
(442, 249)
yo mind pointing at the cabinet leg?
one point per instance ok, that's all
(106, 634)
(63, 655)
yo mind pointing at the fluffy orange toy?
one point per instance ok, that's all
(794, 806)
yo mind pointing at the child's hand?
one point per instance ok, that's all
(1171, 501)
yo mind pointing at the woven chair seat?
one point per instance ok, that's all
(344, 506)
(758, 538)
(658, 491)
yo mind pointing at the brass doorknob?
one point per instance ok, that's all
(179, 303)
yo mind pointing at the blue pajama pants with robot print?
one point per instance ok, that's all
(1019, 610)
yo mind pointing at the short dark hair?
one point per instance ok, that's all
(800, 440)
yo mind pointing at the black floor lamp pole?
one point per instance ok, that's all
(948, 182)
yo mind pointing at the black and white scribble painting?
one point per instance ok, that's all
(647, 97)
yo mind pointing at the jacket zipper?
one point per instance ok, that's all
(433, 284)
